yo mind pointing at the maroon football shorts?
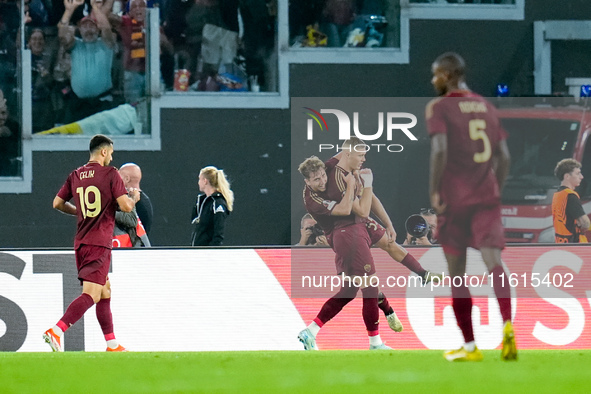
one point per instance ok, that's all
(93, 263)
(475, 226)
(352, 247)
(376, 231)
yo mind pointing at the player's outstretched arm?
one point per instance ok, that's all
(64, 206)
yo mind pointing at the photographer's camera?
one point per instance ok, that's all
(416, 227)
(316, 232)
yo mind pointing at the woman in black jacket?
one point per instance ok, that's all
(212, 208)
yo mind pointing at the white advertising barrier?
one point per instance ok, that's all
(224, 299)
(162, 300)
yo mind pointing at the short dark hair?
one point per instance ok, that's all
(565, 166)
(98, 142)
(452, 63)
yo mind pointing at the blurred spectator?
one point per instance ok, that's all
(41, 81)
(132, 31)
(337, 17)
(175, 23)
(187, 40)
(9, 25)
(62, 71)
(205, 36)
(92, 58)
(39, 13)
(9, 142)
(259, 19)
(219, 46)
(201, 13)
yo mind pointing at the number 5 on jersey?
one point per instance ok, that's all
(89, 209)
(477, 129)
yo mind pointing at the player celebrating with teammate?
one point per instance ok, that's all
(339, 195)
(96, 188)
(350, 240)
(469, 164)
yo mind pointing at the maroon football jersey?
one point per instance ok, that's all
(95, 190)
(473, 134)
(320, 208)
(335, 190)
(331, 163)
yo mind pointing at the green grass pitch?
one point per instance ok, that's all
(536, 371)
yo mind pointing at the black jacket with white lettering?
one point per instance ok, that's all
(209, 217)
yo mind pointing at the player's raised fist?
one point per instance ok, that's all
(350, 179)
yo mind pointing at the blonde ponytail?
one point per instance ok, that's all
(224, 188)
(218, 180)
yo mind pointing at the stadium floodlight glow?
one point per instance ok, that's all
(502, 90)
(585, 90)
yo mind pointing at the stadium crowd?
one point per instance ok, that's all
(89, 56)
(218, 45)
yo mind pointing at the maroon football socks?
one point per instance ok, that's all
(462, 305)
(371, 312)
(412, 264)
(75, 311)
(335, 304)
(105, 318)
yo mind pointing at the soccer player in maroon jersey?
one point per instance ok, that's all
(96, 188)
(469, 164)
(350, 240)
(326, 197)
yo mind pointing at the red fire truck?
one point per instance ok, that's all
(540, 136)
